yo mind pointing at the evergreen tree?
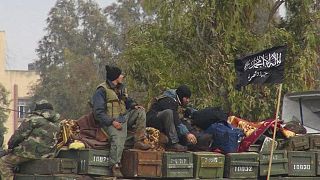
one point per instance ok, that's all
(72, 55)
(4, 103)
(161, 44)
(196, 42)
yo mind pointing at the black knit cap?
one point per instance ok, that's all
(183, 91)
(112, 72)
(43, 105)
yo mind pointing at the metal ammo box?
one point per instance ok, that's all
(90, 161)
(137, 163)
(279, 164)
(294, 178)
(297, 143)
(208, 165)
(47, 177)
(317, 161)
(254, 148)
(241, 165)
(301, 163)
(105, 178)
(314, 140)
(49, 166)
(177, 164)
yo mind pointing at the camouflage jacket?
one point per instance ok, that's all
(36, 137)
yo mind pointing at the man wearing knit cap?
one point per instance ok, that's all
(164, 116)
(117, 113)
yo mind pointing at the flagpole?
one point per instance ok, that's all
(274, 131)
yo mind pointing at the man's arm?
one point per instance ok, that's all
(99, 107)
(130, 102)
(21, 133)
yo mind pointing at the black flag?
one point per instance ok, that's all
(263, 67)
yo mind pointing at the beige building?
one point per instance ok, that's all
(17, 83)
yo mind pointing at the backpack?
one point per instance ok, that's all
(225, 137)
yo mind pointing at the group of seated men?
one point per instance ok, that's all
(119, 116)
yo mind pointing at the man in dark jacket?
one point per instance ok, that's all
(35, 138)
(164, 116)
(117, 114)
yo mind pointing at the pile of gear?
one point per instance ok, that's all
(84, 133)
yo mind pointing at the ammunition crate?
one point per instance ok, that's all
(279, 163)
(238, 179)
(294, 178)
(254, 148)
(297, 143)
(317, 161)
(314, 140)
(208, 165)
(241, 165)
(301, 163)
(47, 177)
(105, 178)
(90, 161)
(137, 163)
(225, 179)
(177, 165)
(49, 166)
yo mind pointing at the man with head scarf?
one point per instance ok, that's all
(163, 115)
(35, 138)
(117, 113)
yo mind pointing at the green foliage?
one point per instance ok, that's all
(71, 56)
(196, 42)
(4, 103)
(70, 87)
(163, 43)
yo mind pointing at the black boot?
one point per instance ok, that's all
(141, 145)
(139, 141)
(176, 147)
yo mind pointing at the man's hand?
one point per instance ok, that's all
(138, 107)
(191, 138)
(117, 125)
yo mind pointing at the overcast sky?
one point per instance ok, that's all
(23, 22)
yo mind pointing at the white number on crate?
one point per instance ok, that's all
(100, 158)
(274, 157)
(178, 161)
(210, 160)
(302, 166)
(243, 169)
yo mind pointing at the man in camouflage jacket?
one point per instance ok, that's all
(35, 138)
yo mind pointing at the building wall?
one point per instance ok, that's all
(17, 83)
(2, 53)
